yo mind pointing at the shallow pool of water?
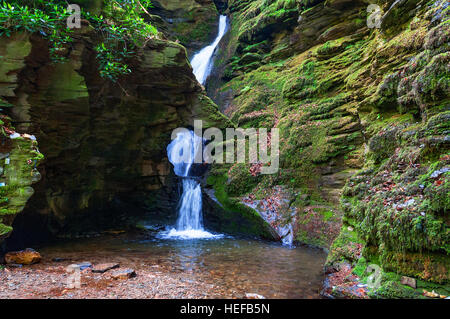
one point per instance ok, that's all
(235, 266)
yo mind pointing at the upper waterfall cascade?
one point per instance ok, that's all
(202, 61)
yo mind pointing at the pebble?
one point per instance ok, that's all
(25, 257)
(84, 265)
(362, 286)
(124, 274)
(254, 296)
(437, 173)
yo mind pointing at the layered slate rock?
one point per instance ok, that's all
(364, 137)
(123, 274)
(102, 268)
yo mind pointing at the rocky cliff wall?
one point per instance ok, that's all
(347, 99)
(191, 22)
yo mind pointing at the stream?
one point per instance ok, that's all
(233, 266)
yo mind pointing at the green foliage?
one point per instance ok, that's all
(127, 31)
(111, 61)
(45, 17)
(121, 27)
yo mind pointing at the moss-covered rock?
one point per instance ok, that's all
(231, 215)
(19, 158)
(346, 97)
(191, 22)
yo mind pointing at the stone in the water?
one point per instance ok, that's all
(102, 268)
(84, 265)
(408, 281)
(124, 274)
(254, 296)
(24, 257)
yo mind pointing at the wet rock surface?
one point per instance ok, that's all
(191, 22)
(102, 268)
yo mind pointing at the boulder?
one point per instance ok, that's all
(24, 257)
(408, 281)
(84, 265)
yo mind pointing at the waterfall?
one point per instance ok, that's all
(190, 214)
(202, 61)
(189, 224)
(182, 151)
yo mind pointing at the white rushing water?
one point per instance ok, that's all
(189, 224)
(185, 146)
(186, 141)
(202, 61)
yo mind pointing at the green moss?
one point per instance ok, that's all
(241, 181)
(208, 111)
(235, 211)
(4, 231)
(316, 225)
(427, 266)
(18, 176)
(345, 247)
(395, 290)
(360, 267)
(365, 100)
(199, 26)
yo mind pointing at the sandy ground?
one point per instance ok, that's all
(50, 280)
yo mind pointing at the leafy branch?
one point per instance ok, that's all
(121, 26)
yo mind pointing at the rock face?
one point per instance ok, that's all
(23, 257)
(192, 22)
(104, 142)
(363, 115)
(363, 121)
(19, 153)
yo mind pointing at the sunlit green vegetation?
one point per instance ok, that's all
(120, 25)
